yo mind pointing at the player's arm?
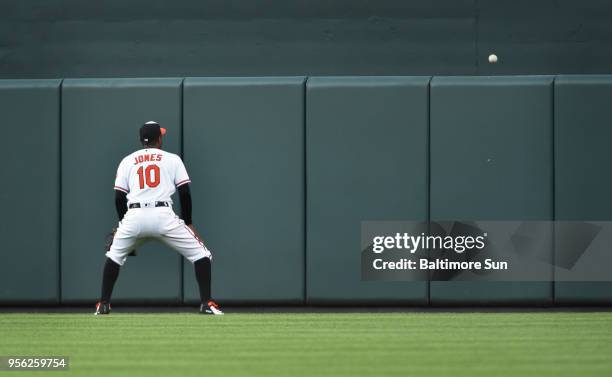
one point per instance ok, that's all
(185, 200)
(120, 203)
(181, 180)
(121, 190)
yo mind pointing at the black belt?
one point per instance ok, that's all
(157, 204)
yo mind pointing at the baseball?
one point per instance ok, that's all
(492, 58)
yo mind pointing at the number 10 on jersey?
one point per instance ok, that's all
(148, 176)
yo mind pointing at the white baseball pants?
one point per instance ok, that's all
(140, 225)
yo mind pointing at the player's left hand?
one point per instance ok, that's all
(109, 242)
(109, 239)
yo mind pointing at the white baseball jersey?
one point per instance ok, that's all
(150, 175)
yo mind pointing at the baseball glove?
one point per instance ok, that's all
(109, 242)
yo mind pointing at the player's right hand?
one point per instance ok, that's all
(195, 233)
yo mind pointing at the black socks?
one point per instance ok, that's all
(202, 273)
(111, 272)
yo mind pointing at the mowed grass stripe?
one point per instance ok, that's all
(318, 344)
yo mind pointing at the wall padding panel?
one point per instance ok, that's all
(491, 159)
(30, 117)
(583, 183)
(366, 160)
(244, 150)
(101, 119)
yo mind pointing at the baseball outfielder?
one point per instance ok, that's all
(145, 181)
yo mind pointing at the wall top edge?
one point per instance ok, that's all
(123, 82)
(583, 79)
(255, 80)
(492, 80)
(365, 81)
(30, 83)
(311, 80)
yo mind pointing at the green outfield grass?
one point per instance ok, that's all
(312, 344)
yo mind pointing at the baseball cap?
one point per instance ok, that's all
(151, 131)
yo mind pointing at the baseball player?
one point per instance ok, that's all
(145, 181)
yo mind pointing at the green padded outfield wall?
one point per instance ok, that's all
(583, 183)
(491, 159)
(366, 141)
(30, 124)
(254, 145)
(100, 123)
(244, 150)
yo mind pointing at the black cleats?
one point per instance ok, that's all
(102, 308)
(210, 308)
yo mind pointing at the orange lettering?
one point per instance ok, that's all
(146, 158)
